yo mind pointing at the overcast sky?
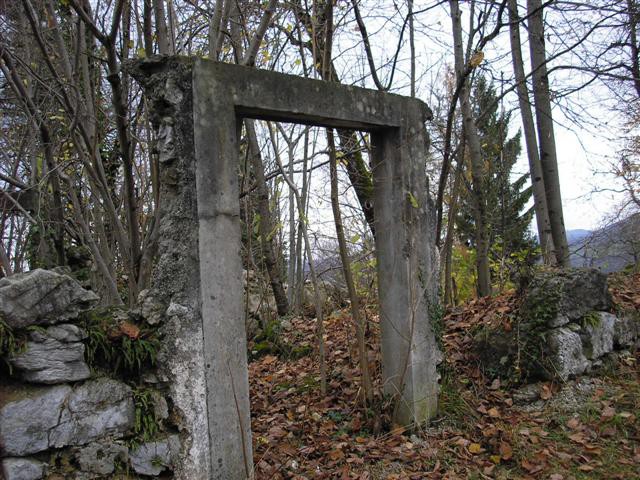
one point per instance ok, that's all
(583, 150)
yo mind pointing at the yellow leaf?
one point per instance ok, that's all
(412, 200)
(475, 448)
(476, 59)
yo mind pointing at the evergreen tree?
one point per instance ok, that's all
(505, 198)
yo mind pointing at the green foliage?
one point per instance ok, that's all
(116, 352)
(464, 272)
(146, 426)
(10, 344)
(269, 341)
(591, 319)
(452, 406)
(505, 197)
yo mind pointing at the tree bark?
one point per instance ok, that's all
(348, 277)
(448, 242)
(161, 28)
(475, 155)
(266, 225)
(546, 138)
(535, 168)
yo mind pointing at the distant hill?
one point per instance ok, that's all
(574, 236)
(609, 249)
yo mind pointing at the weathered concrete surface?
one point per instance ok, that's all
(222, 95)
(174, 297)
(270, 95)
(405, 245)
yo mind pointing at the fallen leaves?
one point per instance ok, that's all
(298, 434)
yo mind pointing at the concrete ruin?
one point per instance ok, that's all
(197, 108)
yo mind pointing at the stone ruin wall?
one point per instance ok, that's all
(61, 414)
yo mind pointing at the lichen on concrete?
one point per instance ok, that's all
(175, 281)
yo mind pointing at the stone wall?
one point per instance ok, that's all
(78, 394)
(565, 326)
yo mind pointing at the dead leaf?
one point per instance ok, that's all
(573, 423)
(531, 467)
(608, 412)
(494, 413)
(506, 452)
(130, 330)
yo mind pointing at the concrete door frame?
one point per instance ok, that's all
(223, 95)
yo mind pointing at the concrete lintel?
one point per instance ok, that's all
(268, 95)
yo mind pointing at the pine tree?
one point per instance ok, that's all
(505, 198)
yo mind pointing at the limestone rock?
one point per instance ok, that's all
(54, 356)
(100, 458)
(59, 416)
(625, 331)
(23, 469)
(42, 297)
(150, 309)
(557, 297)
(566, 358)
(526, 394)
(25, 423)
(160, 406)
(153, 458)
(597, 338)
(95, 409)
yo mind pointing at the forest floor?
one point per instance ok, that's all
(585, 429)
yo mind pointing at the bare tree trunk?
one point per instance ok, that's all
(358, 321)
(475, 155)
(546, 138)
(161, 28)
(359, 174)
(314, 279)
(291, 271)
(448, 242)
(300, 250)
(266, 224)
(147, 28)
(539, 199)
(214, 31)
